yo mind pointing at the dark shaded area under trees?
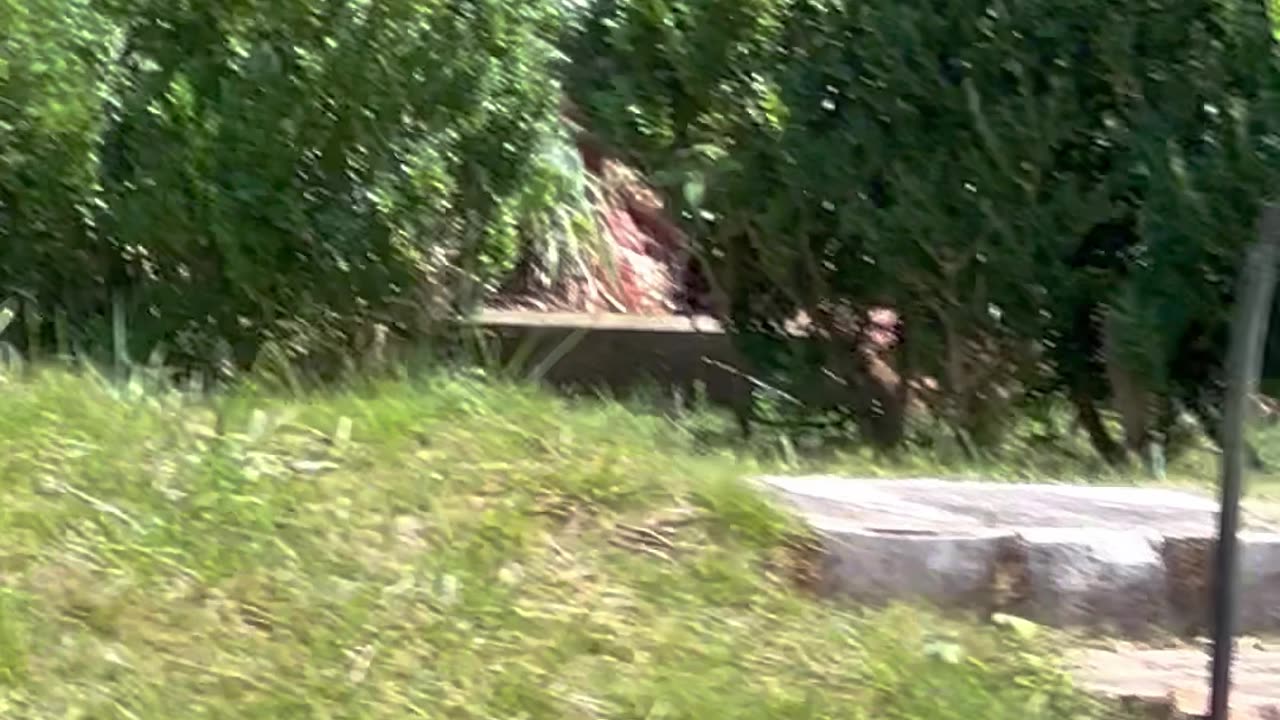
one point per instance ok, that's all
(1053, 197)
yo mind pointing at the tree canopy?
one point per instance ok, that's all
(1051, 197)
(1045, 192)
(238, 171)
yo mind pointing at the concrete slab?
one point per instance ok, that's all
(954, 569)
(1110, 578)
(1260, 580)
(930, 503)
(1125, 559)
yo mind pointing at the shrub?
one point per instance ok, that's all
(54, 56)
(995, 172)
(288, 171)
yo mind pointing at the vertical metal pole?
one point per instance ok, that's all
(1244, 360)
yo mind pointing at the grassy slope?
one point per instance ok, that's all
(471, 552)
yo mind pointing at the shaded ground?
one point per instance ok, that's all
(1177, 680)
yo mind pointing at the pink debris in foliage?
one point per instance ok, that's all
(644, 272)
(647, 269)
(882, 331)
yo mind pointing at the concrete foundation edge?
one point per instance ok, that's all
(1129, 583)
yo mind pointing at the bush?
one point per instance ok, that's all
(54, 57)
(280, 170)
(1003, 175)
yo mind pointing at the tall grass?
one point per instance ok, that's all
(449, 546)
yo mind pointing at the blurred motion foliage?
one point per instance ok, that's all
(1050, 194)
(54, 82)
(235, 172)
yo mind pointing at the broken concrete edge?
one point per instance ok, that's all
(1128, 581)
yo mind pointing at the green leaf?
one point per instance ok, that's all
(945, 651)
(695, 190)
(1023, 628)
(8, 311)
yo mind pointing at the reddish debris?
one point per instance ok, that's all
(648, 271)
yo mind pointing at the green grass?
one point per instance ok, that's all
(441, 549)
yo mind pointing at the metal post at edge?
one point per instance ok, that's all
(1244, 361)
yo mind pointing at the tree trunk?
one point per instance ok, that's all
(1112, 452)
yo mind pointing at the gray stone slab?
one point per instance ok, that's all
(1128, 559)
(930, 502)
(1259, 582)
(1095, 577)
(957, 570)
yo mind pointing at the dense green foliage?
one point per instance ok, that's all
(52, 91)
(1052, 196)
(242, 171)
(1019, 180)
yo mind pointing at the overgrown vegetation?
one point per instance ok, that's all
(441, 548)
(1053, 197)
(237, 173)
